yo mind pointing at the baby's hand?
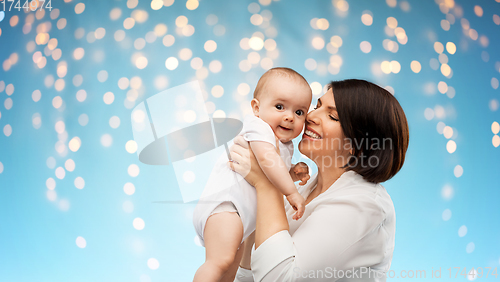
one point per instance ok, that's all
(300, 172)
(298, 203)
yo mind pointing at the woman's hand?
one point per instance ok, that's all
(245, 163)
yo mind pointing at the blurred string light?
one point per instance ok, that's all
(451, 146)
(81, 242)
(153, 263)
(495, 128)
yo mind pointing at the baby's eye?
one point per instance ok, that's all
(279, 107)
(299, 112)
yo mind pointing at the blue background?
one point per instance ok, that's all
(38, 233)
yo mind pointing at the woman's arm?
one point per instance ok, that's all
(247, 251)
(271, 217)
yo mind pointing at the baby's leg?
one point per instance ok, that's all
(222, 236)
(233, 269)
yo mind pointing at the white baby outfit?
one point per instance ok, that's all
(236, 190)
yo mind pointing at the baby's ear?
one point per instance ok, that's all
(255, 106)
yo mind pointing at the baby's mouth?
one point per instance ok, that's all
(284, 128)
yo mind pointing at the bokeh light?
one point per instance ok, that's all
(60, 173)
(36, 120)
(494, 83)
(79, 182)
(451, 146)
(138, 223)
(133, 170)
(365, 46)
(256, 43)
(211, 46)
(215, 66)
(495, 141)
(217, 91)
(458, 171)
(462, 231)
(495, 127)
(447, 192)
(128, 207)
(83, 119)
(50, 183)
(451, 48)
(153, 264)
(367, 18)
(171, 63)
(81, 95)
(106, 140)
(114, 122)
(131, 146)
(129, 188)
(470, 247)
(446, 215)
(79, 8)
(429, 114)
(69, 165)
(415, 66)
(74, 144)
(51, 195)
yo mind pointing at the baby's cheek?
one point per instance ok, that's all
(298, 128)
(300, 124)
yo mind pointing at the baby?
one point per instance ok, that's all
(223, 219)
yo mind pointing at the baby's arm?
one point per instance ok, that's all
(274, 168)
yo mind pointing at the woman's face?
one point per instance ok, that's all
(323, 140)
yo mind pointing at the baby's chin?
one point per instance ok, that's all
(286, 139)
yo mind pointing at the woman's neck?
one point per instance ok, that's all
(327, 177)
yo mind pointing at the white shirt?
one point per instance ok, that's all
(225, 185)
(349, 226)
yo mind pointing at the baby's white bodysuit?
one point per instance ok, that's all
(225, 185)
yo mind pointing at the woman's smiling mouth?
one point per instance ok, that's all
(311, 134)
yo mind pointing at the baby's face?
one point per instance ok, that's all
(284, 103)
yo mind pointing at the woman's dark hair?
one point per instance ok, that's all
(373, 120)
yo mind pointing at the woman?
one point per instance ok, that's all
(357, 135)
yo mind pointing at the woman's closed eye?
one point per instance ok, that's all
(330, 116)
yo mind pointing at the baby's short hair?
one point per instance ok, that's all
(278, 71)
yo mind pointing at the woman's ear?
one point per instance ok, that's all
(348, 145)
(255, 106)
